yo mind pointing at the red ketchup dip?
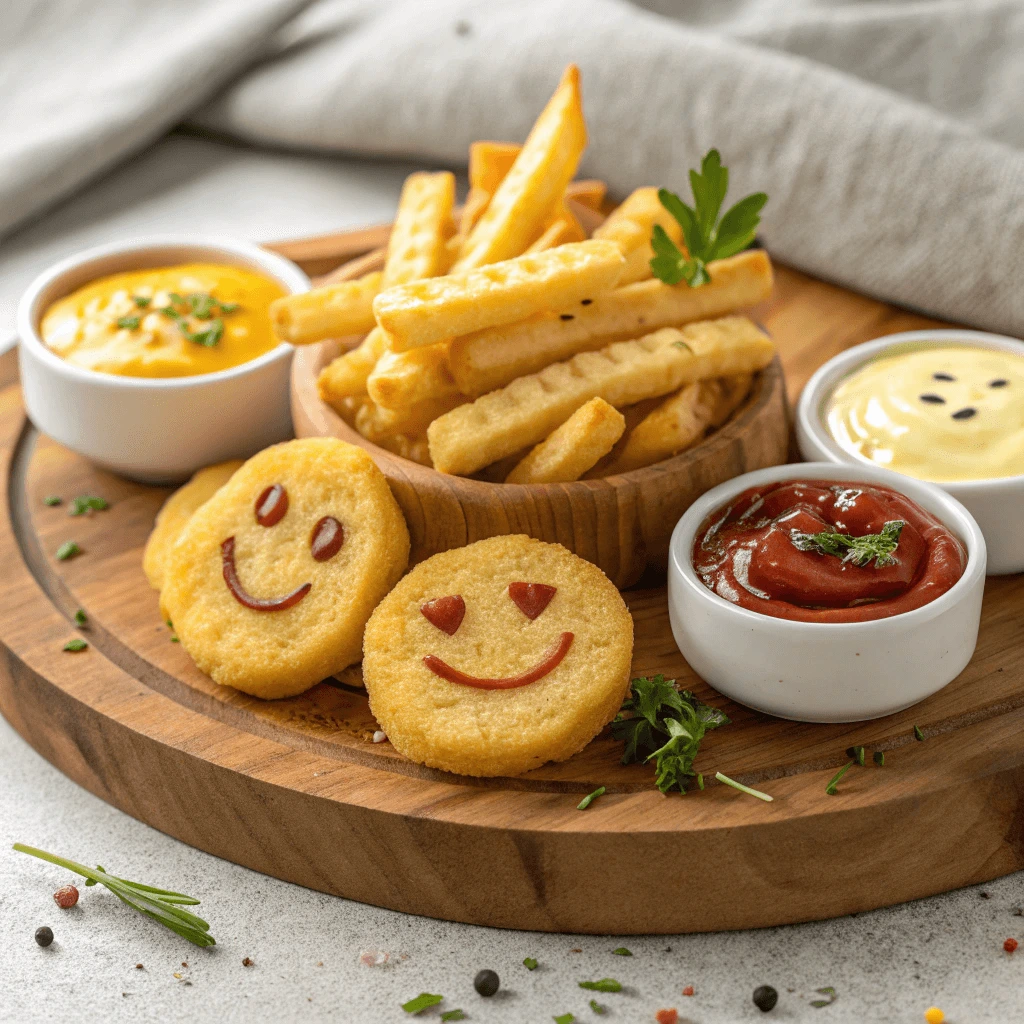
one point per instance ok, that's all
(826, 551)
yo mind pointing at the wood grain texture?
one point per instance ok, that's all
(295, 788)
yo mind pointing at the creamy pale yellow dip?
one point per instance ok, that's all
(943, 413)
(165, 322)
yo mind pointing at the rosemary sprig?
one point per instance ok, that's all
(163, 905)
(856, 550)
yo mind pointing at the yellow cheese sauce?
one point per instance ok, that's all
(177, 321)
(942, 413)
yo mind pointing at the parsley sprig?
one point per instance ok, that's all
(708, 237)
(666, 725)
(163, 905)
(856, 550)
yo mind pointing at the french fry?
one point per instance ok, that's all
(631, 225)
(590, 192)
(681, 421)
(585, 437)
(425, 312)
(413, 448)
(377, 424)
(494, 357)
(489, 162)
(336, 311)
(531, 407)
(535, 182)
(346, 376)
(404, 378)
(416, 248)
(559, 232)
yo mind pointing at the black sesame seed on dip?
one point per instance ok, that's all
(943, 376)
(1001, 382)
(486, 982)
(933, 399)
(765, 998)
(965, 413)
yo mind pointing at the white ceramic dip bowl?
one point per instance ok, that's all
(826, 672)
(157, 430)
(997, 504)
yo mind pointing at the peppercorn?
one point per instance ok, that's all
(486, 983)
(765, 998)
(44, 936)
(65, 897)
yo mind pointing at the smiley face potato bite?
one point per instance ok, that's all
(273, 579)
(495, 658)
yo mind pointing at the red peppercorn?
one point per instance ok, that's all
(1010, 945)
(66, 896)
(688, 991)
(667, 1016)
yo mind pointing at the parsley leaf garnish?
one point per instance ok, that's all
(529, 963)
(666, 725)
(604, 985)
(128, 323)
(597, 1007)
(707, 237)
(856, 550)
(421, 1002)
(453, 1015)
(564, 1018)
(87, 503)
(80, 618)
(621, 951)
(78, 644)
(142, 301)
(67, 550)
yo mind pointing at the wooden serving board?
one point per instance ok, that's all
(295, 788)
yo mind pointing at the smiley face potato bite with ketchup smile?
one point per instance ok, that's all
(497, 657)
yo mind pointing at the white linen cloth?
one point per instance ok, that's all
(888, 135)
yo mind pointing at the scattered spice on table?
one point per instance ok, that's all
(828, 991)
(590, 798)
(765, 998)
(422, 1002)
(139, 967)
(529, 963)
(80, 618)
(1010, 945)
(667, 1016)
(248, 961)
(622, 951)
(688, 991)
(878, 757)
(52, 499)
(455, 1014)
(565, 1018)
(918, 735)
(576, 949)
(597, 1008)
(833, 785)
(44, 936)
(69, 549)
(66, 897)
(486, 983)
(604, 985)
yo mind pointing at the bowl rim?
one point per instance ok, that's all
(953, 515)
(281, 269)
(824, 380)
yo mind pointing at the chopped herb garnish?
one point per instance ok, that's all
(67, 550)
(229, 307)
(829, 991)
(565, 1018)
(743, 789)
(142, 301)
(856, 550)
(52, 499)
(833, 785)
(200, 306)
(878, 757)
(700, 782)
(129, 323)
(80, 618)
(666, 725)
(453, 1015)
(857, 754)
(590, 798)
(604, 985)
(170, 312)
(622, 951)
(530, 964)
(87, 503)
(707, 236)
(421, 1002)
(918, 735)
(163, 905)
(597, 1007)
(78, 644)
(207, 338)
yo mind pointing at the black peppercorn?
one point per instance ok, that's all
(765, 998)
(486, 982)
(44, 936)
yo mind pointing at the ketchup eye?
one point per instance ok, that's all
(446, 613)
(271, 505)
(531, 598)
(326, 539)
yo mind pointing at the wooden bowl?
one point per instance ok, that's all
(620, 523)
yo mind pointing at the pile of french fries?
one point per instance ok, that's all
(500, 341)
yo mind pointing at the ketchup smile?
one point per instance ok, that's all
(745, 552)
(551, 660)
(243, 597)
